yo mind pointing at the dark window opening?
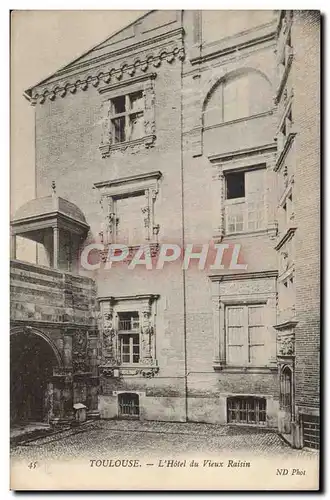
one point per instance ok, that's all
(235, 183)
(128, 405)
(118, 105)
(246, 410)
(118, 125)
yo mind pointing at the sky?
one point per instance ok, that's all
(41, 43)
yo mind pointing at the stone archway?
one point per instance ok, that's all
(33, 358)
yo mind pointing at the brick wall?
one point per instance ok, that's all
(306, 74)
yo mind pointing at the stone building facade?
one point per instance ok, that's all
(169, 133)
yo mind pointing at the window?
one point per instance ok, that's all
(129, 342)
(246, 336)
(235, 185)
(129, 209)
(246, 410)
(127, 117)
(245, 201)
(130, 228)
(128, 334)
(237, 96)
(128, 405)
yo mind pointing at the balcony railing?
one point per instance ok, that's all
(128, 325)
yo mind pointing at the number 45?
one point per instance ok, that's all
(32, 465)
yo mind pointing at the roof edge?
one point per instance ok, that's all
(28, 92)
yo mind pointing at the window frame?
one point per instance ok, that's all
(126, 88)
(144, 309)
(244, 203)
(252, 406)
(247, 344)
(125, 115)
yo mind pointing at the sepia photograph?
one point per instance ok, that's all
(165, 250)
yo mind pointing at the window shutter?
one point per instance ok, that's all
(255, 198)
(257, 336)
(236, 336)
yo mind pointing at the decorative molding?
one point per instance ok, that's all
(238, 120)
(95, 76)
(285, 344)
(284, 76)
(235, 44)
(224, 368)
(244, 276)
(110, 309)
(145, 142)
(283, 238)
(79, 352)
(241, 153)
(148, 297)
(282, 154)
(144, 184)
(108, 146)
(124, 84)
(287, 324)
(129, 371)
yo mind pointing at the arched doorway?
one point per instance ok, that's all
(286, 397)
(32, 359)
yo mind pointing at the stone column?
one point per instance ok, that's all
(67, 350)
(13, 247)
(216, 329)
(146, 336)
(146, 214)
(57, 400)
(56, 247)
(218, 202)
(108, 338)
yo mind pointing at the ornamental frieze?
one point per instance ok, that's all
(79, 351)
(94, 78)
(285, 345)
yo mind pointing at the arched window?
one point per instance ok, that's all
(238, 95)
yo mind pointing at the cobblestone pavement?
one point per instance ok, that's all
(109, 438)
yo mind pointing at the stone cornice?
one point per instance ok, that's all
(244, 276)
(133, 178)
(102, 71)
(134, 80)
(149, 296)
(68, 327)
(236, 43)
(262, 149)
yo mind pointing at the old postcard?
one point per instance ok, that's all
(165, 250)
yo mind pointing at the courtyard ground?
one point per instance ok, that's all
(119, 438)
